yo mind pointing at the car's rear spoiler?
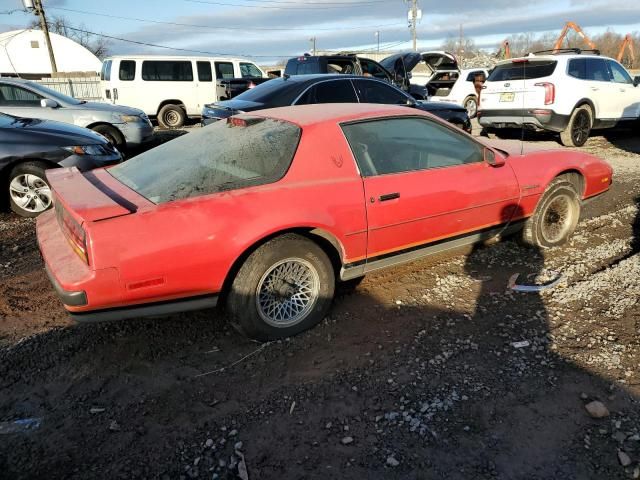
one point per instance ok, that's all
(92, 196)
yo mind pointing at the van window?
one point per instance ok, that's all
(249, 70)
(167, 71)
(224, 70)
(105, 74)
(204, 72)
(127, 70)
(526, 70)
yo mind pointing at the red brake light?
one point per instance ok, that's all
(73, 231)
(237, 122)
(520, 60)
(549, 92)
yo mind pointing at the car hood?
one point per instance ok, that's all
(109, 108)
(63, 134)
(433, 106)
(237, 105)
(440, 60)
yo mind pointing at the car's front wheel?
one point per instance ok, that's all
(283, 288)
(112, 134)
(29, 192)
(577, 132)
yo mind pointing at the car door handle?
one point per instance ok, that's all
(389, 196)
(595, 89)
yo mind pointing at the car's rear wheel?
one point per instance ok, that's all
(283, 288)
(112, 134)
(171, 116)
(471, 104)
(29, 192)
(577, 132)
(555, 217)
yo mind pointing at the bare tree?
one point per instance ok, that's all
(96, 44)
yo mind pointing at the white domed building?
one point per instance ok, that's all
(24, 53)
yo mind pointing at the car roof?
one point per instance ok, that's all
(176, 57)
(564, 56)
(308, 115)
(18, 81)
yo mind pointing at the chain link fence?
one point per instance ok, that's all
(80, 86)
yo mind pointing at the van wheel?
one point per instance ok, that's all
(171, 116)
(577, 132)
(555, 217)
(285, 287)
(29, 192)
(112, 134)
(471, 104)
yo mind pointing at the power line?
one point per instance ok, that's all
(344, 5)
(154, 45)
(216, 27)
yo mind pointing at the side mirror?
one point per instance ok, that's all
(409, 75)
(492, 159)
(48, 103)
(636, 81)
(411, 102)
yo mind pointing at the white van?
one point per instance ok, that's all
(170, 88)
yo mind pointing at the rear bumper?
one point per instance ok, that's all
(542, 118)
(76, 298)
(146, 310)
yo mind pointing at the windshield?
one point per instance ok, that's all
(523, 70)
(57, 96)
(226, 155)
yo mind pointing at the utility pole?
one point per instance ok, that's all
(378, 38)
(38, 9)
(414, 15)
(461, 46)
(313, 45)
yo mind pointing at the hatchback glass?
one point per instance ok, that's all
(524, 70)
(227, 155)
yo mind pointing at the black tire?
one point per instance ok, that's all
(171, 116)
(112, 134)
(555, 217)
(255, 315)
(471, 104)
(579, 127)
(29, 177)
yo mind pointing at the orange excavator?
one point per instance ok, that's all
(505, 50)
(627, 43)
(578, 30)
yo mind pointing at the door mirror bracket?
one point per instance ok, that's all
(492, 159)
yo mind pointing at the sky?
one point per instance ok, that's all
(270, 30)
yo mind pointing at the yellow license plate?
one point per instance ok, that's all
(507, 96)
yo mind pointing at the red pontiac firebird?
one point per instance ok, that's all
(269, 210)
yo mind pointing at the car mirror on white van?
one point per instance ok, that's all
(48, 103)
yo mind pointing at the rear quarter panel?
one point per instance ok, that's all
(188, 247)
(535, 171)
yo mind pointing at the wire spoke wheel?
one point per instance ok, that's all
(558, 218)
(287, 292)
(30, 192)
(472, 107)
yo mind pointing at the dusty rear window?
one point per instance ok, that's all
(225, 155)
(524, 70)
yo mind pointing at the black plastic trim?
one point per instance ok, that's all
(73, 299)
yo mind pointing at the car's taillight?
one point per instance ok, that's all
(74, 232)
(549, 92)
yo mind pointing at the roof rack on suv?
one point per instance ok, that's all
(560, 51)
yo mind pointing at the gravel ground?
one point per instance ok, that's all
(431, 370)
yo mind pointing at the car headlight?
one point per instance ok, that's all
(131, 118)
(88, 150)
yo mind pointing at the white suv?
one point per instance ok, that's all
(569, 92)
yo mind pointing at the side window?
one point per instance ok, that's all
(333, 91)
(12, 96)
(248, 70)
(167, 71)
(305, 68)
(224, 70)
(127, 70)
(472, 75)
(376, 92)
(204, 72)
(618, 73)
(597, 70)
(407, 144)
(105, 74)
(372, 69)
(577, 68)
